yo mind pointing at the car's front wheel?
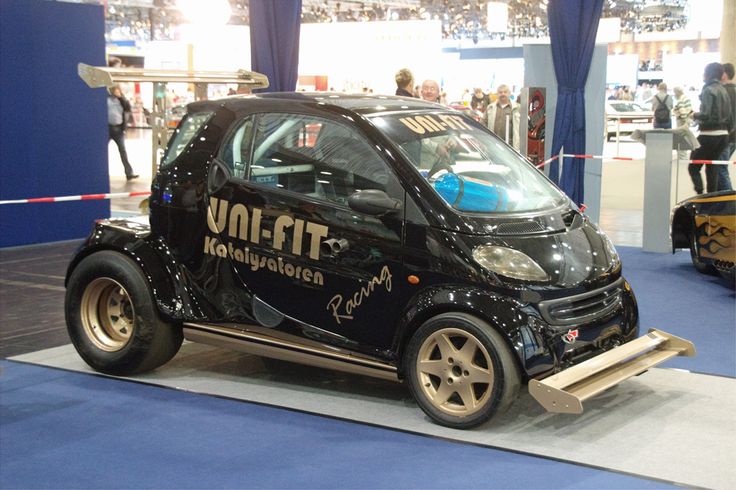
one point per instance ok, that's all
(460, 370)
(112, 319)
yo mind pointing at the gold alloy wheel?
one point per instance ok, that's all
(455, 371)
(107, 314)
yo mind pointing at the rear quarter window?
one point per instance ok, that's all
(184, 134)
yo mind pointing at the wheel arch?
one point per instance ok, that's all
(144, 254)
(682, 223)
(461, 299)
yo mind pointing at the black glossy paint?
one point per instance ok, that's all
(197, 275)
(711, 220)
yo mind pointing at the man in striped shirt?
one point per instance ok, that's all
(683, 107)
(682, 110)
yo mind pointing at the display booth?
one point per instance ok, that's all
(539, 72)
(658, 174)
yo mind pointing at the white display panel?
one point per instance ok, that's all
(622, 69)
(354, 55)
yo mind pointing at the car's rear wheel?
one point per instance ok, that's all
(460, 370)
(112, 319)
(700, 266)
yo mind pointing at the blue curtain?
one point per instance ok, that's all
(573, 25)
(274, 41)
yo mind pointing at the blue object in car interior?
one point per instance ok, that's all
(469, 194)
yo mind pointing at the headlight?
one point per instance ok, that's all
(611, 249)
(509, 262)
(615, 260)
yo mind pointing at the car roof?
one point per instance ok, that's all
(359, 103)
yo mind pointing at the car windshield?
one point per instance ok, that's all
(471, 169)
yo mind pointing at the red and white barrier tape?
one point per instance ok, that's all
(83, 197)
(630, 159)
(549, 160)
(709, 162)
(600, 157)
(583, 156)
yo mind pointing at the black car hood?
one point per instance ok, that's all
(571, 254)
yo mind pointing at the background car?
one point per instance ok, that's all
(706, 224)
(623, 117)
(174, 115)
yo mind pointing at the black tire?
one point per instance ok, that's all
(112, 318)
(444, 387)
(700, 266)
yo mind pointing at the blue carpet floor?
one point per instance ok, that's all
(60, 429)
(675, 298)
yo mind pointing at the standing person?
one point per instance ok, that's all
(118, 109)
(714, 119)
(727, 81)
(683, 109)
(662, 107)
(626, 93)
(479, 102)
(503, 117)
(430, 91)
(433, 153)
(404, 80)
(645, 93)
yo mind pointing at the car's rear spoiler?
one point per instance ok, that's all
(104, 76)
(566, 391)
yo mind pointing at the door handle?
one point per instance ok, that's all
(218, 177)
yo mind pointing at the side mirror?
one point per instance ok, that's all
(373, 202)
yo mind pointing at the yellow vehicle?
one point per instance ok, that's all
(706, 224)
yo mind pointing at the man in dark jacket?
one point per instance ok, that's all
(727, 81)
(404, 80)
(118, 109)
(714, 119)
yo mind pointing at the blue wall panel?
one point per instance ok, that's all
(53, 128)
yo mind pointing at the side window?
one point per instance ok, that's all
(235, 153)
(184, 134)
(316, 157)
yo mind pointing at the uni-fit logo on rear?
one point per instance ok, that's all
(246, 226)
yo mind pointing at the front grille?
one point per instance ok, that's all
(582, 308)
(519, 228)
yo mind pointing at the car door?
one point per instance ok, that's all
(279, 212)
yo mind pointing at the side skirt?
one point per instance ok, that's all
(266, 344)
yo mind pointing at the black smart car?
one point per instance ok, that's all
(379, 235)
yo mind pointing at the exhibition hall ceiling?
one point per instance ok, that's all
(478, 20)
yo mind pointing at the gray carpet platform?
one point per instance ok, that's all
(666, 424)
